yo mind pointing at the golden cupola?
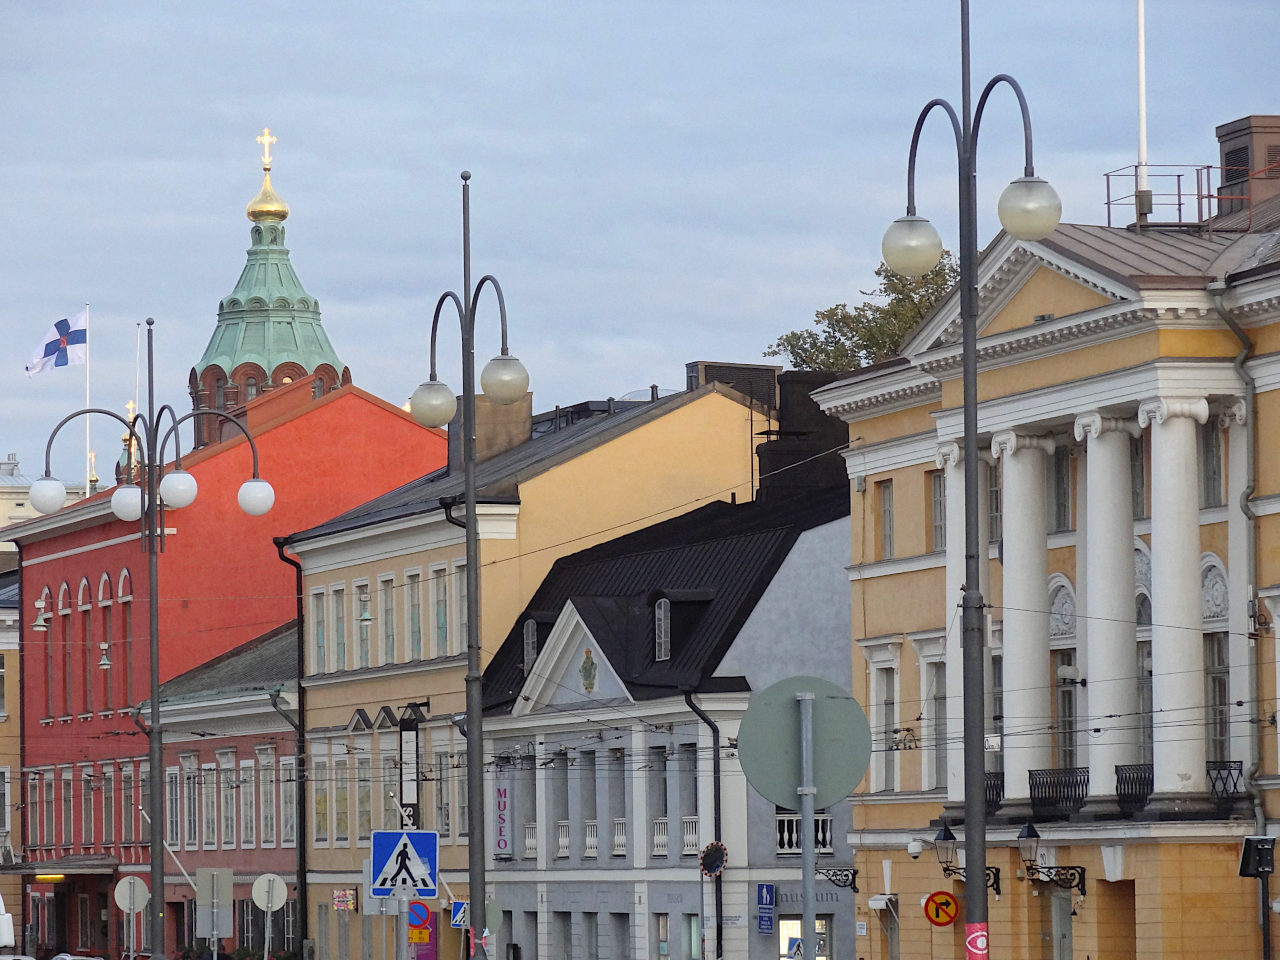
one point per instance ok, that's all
(267, 205)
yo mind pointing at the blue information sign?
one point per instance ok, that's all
(764, 908)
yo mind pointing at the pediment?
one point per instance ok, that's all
(571, 670)
(1020, 284)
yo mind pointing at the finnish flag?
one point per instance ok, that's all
(65, 343)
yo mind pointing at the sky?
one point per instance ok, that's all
(652, 182)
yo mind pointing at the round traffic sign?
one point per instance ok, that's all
(940, 908)
(769, 742)
(419, 914)
(131, 894)
(269, 892)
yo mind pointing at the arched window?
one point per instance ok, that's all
(530, 645)
(105, 645)
(86, 645)
(250, 388)
(125, 624)
(63, 644)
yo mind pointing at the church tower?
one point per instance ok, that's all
(269, 332)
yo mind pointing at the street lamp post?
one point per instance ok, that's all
(504, 380)
(146, 502)
(1029, 209)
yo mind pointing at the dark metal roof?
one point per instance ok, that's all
(497, 478)
(267, 661)
(1128, 255)
(713, 564)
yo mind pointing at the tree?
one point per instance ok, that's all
(872, 331)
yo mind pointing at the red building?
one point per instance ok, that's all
(221, 583)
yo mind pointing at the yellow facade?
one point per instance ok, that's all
(1055, 349)
(696, 449)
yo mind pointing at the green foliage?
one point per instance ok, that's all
(872, 331)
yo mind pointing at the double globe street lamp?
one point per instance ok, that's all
(504, 381)
(145, 498)
(1029, 209)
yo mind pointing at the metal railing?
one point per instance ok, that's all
(1134, 783)
(995, 790)
(1058, 791)
(1226, 779)
(791, 839)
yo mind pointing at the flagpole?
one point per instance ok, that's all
(88, 455)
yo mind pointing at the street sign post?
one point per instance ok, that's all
(131, 896)
(940, 908)
(215, 902)
(269, 893)
(403, 860)
(764, 907)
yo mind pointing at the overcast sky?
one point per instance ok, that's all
(653, 182)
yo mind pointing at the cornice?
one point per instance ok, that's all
(897, 391)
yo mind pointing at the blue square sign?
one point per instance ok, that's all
(764, 908)
(403, 860)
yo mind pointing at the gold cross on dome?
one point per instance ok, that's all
(131, 406)
(266, 140)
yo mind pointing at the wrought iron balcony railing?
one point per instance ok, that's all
(1058, 792)
(995, 790)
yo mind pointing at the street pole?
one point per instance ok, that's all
(504, 381)
(1029, 210)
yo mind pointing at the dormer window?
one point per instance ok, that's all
(662, 630)
(530, 645)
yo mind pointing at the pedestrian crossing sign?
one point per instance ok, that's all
(403, 861)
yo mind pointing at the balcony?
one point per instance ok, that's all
(1057, 794)
(791, 838)
(994, 790)
(590, 840)
(1136, 781)
(619, 837)
(562, 839)
(660, 837)
(531, 840)
(689, 837)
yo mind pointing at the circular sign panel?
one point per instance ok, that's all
(715, 856)
(769, 742)
(131, 894)
(941, 908)
(269, 892)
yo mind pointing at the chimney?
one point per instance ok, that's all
(499, 428)
(758, 381)
(1249, 149)
(804, 454)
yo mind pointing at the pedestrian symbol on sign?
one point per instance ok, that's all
(403, 861)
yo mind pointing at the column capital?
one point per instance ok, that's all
(949, 455)
(1164, 408)
(1091, 425)
(1234, 414)
(1009, 442)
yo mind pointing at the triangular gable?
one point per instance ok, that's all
(359, 721)
(385, 719)
(570, 669)
(1006, 270)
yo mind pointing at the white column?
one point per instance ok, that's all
(1111, 637)
(1177, 641)
(951, 460)
(1027, 688)
(1235, 421)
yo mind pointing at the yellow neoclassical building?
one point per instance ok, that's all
(385, 634)
(1128, 387)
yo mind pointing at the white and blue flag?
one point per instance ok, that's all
(65, 343)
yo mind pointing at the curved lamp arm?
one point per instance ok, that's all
(130, 426)
(915, 142)
(502, 306)
(1028, 166)
(462, 319)
(179, 421)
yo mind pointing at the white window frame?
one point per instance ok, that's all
(413, 639)
(319, 638)
(938, 510)
(338, 596)
(364, 626)
(387, 615)
(108, 805)
(662, 629)
(248, 789)
(209, 819)
(441, 646)
(287, 826)
(884, 504)
(935, 734)
(321, 818)
(268, 818)
(883, 654)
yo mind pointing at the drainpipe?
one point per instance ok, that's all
(715, 807)
(1216, 290)
(300, 768)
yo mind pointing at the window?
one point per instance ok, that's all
(1066, 677)
(938, 509)
(108, 806)
(267, 795)
(1138, 476)
(884, 491)
(250, 388)
(33, 810)
(68, 675)
(936, 679)
(341, 801)
(391, 794)
(127, 804)
(364, 798)
(2, 703)
(90, 661)
(887, 722)
(365, 619)
(663, 924)
(1060, 490)
(48, 809)
(86, 807)
(414, 582)
(440, 599)
(995, 502)
(530, 646)
(171, 801)
(387, 589)
(662, 629)
(248, 804)
(442, 792)
(339, 629)
(320, 791)
(82, 921)
(68, 816)
(317, 627)
(288, 802)
(1217, 677)
(144, 788)
(1146, 719)
(208, 807)
(126, 609)
(1211, 492)
(461, 778)
(460, 578)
